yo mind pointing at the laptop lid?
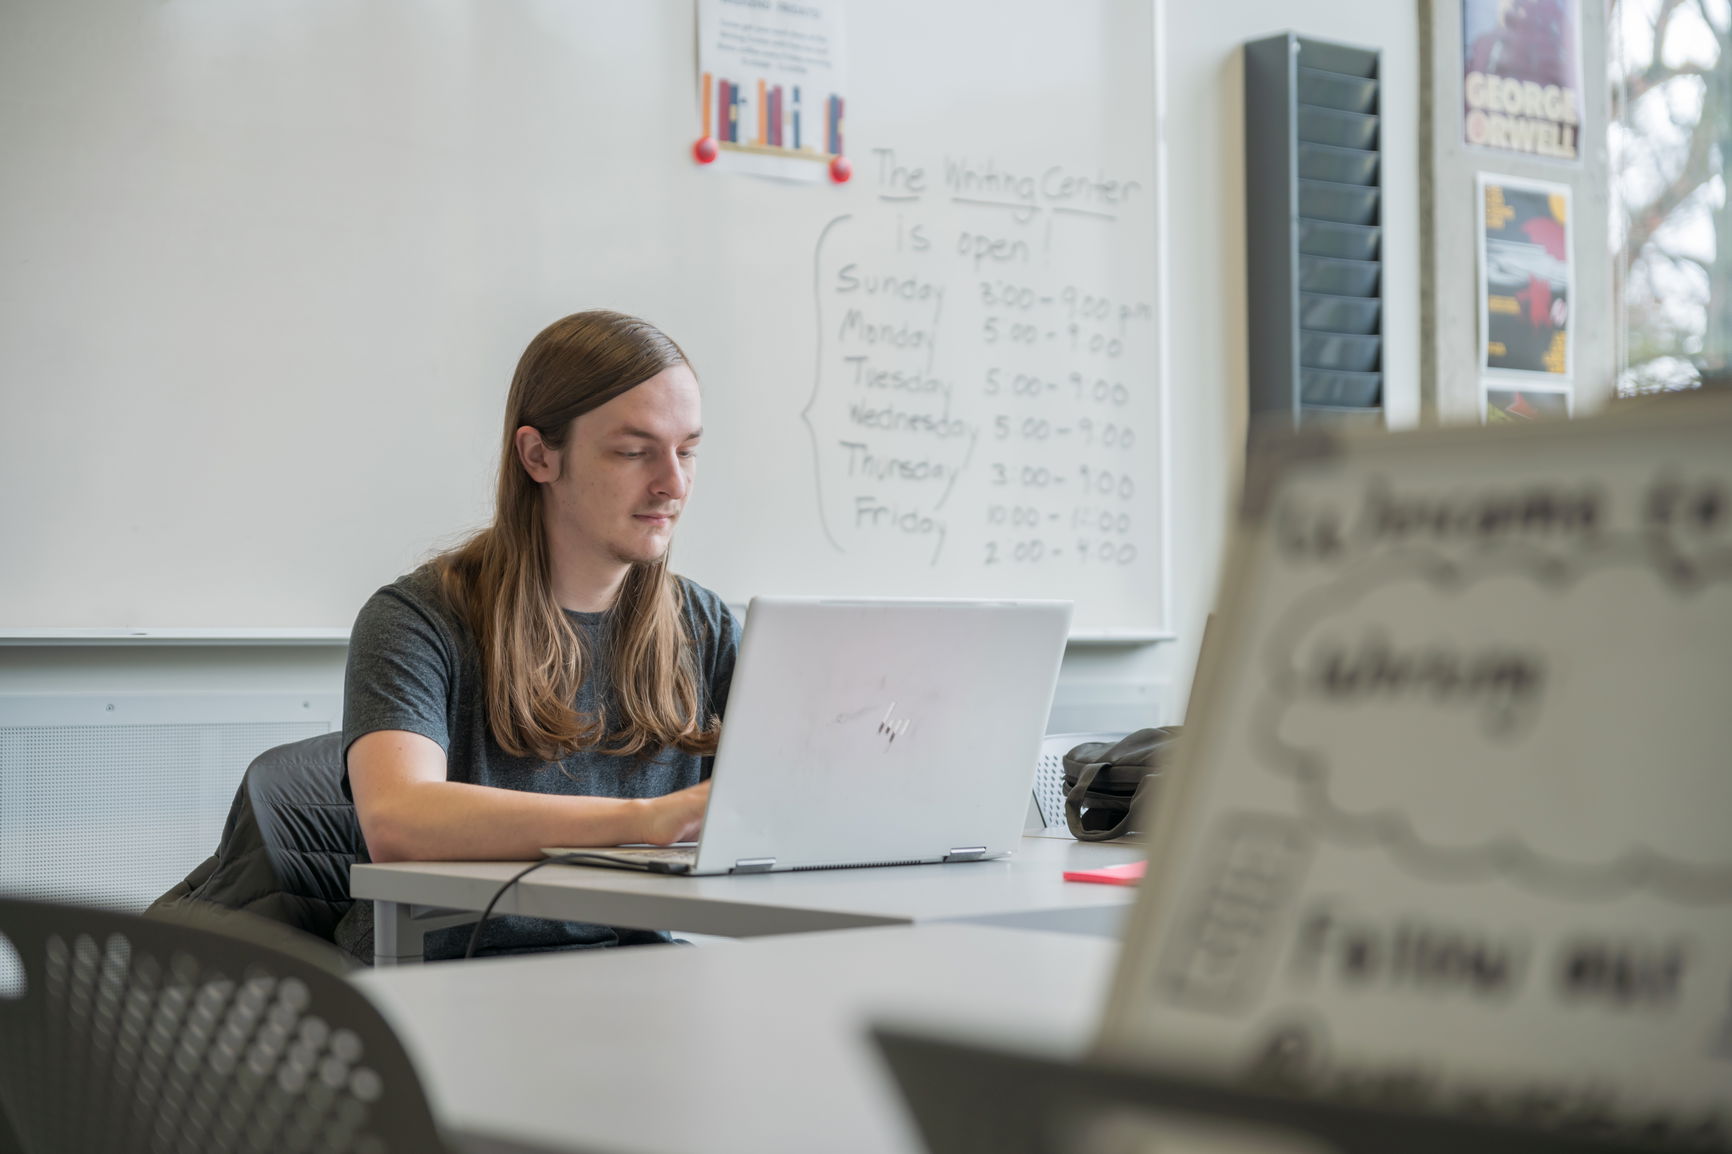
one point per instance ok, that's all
(969, 1094)
(875, 731)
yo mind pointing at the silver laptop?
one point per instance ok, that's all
(872, 732)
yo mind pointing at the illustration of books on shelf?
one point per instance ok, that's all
(772, 119)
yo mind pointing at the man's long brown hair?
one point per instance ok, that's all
(499, 582)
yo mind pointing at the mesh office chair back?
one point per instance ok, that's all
(192, 1034)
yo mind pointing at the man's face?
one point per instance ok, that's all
(627, 469)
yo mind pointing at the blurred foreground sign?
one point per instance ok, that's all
(1454, 827)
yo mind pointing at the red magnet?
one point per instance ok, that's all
(704, 150)
(840, 169)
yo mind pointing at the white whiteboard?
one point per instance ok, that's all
(269, 266)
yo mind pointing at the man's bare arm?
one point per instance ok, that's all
(410, 812)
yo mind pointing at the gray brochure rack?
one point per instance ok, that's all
(1313, 205)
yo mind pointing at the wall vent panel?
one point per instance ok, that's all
(112, 799)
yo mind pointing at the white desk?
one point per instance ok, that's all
(1026, 890)
(756, 1046)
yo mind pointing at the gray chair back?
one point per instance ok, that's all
(287, 846)
(308, 824)
(193, 1033)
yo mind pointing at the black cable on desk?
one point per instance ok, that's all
(562, 859)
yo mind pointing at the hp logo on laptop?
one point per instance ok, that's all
(892, 727)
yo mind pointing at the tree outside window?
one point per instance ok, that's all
(1670, 139)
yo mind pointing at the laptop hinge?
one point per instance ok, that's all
(966, 853)
(753, 865)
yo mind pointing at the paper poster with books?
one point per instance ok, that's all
(771, 85)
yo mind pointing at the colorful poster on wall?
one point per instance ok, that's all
(1521, 76)
(770, 86)
(1526, 283)
(1505, 404)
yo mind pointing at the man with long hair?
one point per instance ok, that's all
(549, 681)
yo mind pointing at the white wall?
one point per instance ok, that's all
(1204, 86)
(1205, 361)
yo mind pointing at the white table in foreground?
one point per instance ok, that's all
(756, 1046)
(1026, 890)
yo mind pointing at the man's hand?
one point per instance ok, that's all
(677, 816)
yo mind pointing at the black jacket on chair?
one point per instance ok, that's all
(288, 843)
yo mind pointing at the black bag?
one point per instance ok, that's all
(1106, 782)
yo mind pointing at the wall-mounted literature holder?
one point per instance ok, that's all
(1314, 230)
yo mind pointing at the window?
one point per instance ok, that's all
(1669, 141)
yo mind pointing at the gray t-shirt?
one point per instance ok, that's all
(413, 665)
